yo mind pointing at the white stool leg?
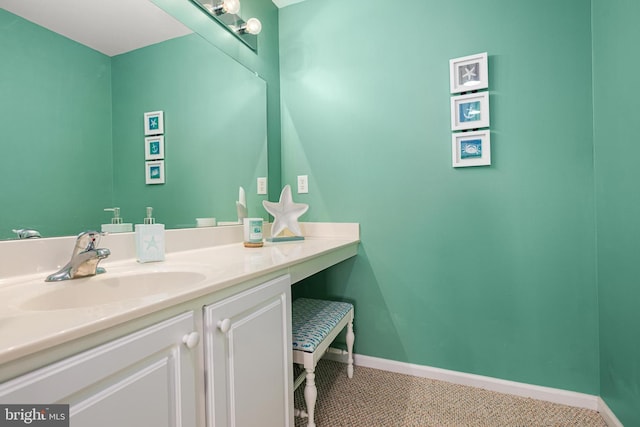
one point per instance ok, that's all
(350, 339)
(310, 396)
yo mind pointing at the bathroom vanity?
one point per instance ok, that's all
(202, 339)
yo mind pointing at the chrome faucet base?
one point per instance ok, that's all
(84, 259)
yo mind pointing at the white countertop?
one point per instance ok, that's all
(25, 330)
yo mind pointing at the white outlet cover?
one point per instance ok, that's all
(303, 184)
(262, 185)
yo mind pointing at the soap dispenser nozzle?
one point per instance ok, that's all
(116, 215)
(149, 219)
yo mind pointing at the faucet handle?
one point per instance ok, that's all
(86, 241)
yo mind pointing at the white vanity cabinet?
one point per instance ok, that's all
(146, 378)
(248, 358)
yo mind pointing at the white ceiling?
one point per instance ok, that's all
(108, 26)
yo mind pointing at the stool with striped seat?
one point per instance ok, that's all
(316, 323)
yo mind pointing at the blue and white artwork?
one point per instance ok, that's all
(470, 112)
(154, 147)
(153, 123)
(471, 149)
(154, 172)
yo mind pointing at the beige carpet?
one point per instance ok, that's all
(375, 398)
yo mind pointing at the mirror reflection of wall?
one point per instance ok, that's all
(72, 135)
(215, 131)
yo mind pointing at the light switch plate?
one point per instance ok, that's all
(303, 184)
(262, 185)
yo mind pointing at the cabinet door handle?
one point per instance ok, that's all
(224, 325)
(191, 340)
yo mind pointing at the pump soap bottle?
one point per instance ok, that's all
(117, 225)
(150, 239)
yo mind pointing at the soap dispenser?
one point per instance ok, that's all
(117, 225)
(150, 239)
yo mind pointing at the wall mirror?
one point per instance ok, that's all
(73, 137)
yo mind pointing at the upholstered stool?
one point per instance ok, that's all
(316, 323)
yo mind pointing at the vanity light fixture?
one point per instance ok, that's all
(225, 13)
(252, 26)
(227, 6)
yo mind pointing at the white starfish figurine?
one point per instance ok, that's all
(285, 213)
(241, 205)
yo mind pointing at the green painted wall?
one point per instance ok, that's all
(215, 132)
(487, 270)
(615, 39)
(55, 104)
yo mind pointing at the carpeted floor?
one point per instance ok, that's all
(374, 398)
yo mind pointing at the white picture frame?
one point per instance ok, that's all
(470, 111)
(469, 73)
(154, 123)
(154, 147)
(154, 172)
(471, 148)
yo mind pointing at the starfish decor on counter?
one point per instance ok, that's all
(241, 205)
(285, 213)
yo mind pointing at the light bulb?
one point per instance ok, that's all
(231, 6)
(254, 26)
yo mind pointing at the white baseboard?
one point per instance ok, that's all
(548, 394)
(607, 414)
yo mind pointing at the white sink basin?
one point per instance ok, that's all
(106, 289)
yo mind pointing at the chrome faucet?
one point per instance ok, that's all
(27, 233)
(84, 259)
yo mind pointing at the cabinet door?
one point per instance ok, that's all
(248, 358)
(143, 379)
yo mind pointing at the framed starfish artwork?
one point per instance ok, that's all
(469, 73)
(154, 123)
(471, 148)
(470, 111)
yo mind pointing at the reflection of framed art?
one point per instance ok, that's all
(154, 172)
(471, 148)
(470, 111)
(154, 148)
(469, 73)
(154, 123)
